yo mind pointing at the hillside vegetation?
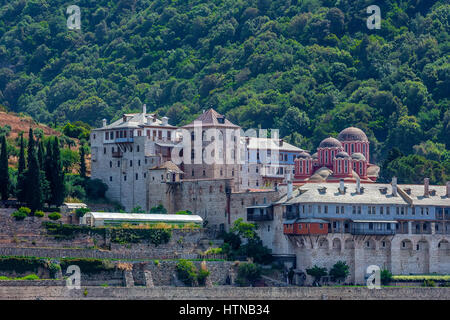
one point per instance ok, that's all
(308, 67)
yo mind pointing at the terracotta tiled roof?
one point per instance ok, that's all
(170, 166)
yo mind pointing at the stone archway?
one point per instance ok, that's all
(323, 243)
(422, 249)
(337, 245)
(443, 256)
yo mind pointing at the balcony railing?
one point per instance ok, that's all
(372, 232)
(259, 217)
(292, 215)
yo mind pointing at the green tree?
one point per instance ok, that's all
(57, 185)
(386, 277)
(339, 271)
(248, 273)
(317, 273)
(4, 172)
(34, 192)
(82, 162)
(21, 186)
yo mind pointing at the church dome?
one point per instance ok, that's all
(304, 155)
(342, 154)
(352, 134)
(358, 156)
(330, 143)
(315, 156)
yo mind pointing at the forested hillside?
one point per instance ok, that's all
(308, 67)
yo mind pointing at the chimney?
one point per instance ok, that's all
(289, 187)
(144, 109)
(426, 187)
(448, 189)
(358, 185)
(281, 142)
(104, 123)
(165, 121)
(149, 119)
(341, 186)
(394, 186)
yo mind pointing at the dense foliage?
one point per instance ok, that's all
(252, 247)
(21, 264)
(88, 265)
(186, 272)
(339, 271)
(310, 67)
(248, 274)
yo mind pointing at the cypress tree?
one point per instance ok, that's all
(34, 194)
(46, 191)
(4, 173)
(30, 146)
(82, 162)
(49, 167)
(21, 172)
(21, 156)
(58, 187)
(41, 154)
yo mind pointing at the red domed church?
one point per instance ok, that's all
(346, 157)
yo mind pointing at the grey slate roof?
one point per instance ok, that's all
(309, 193)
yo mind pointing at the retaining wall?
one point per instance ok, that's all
(224, 293)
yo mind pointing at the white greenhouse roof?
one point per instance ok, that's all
(146, 217)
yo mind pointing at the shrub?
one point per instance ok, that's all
(339, 271)
(201, 277)
(39, 214)
(185, 212)
(248, 273)
(80, 212)
(317, 273)
(21, 264)
(158, 209)
(54, 216)
(19, 215)
(31, 277)
(213, 251)
(386, 277)
(186, 272)
(88, 265)
(428, 283)
(22, 213)
(156, 262)
(54, 268)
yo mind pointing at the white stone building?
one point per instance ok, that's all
(124, 151)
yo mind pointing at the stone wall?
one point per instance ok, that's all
(163, 272)
(421, 254)
(223, 293)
